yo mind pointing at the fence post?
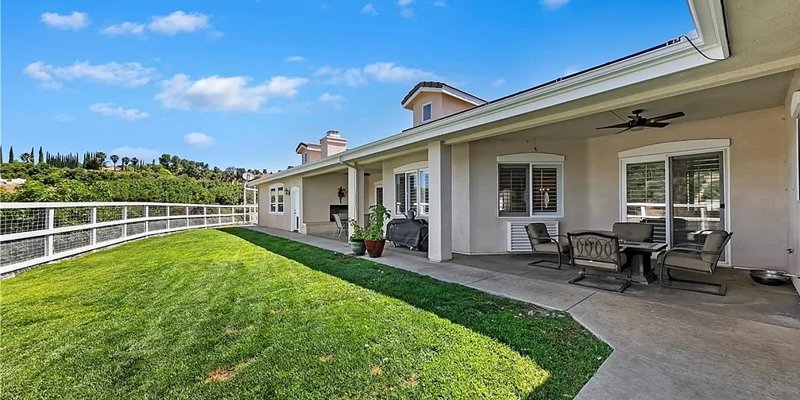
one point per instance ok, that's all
(187, 216)
(205, 219)
(93, 220)
(124, 225)
(168, 220)
(147, 218)
(51, 224)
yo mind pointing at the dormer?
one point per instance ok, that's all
(332, 143)
(430, 101)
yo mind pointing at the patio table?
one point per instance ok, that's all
(640, 253)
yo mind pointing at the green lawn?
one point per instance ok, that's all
(238, 314)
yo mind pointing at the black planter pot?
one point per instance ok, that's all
(358, 246)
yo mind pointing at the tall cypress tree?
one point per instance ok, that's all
(11, 154)
(41, 155)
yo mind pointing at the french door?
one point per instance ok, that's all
(681, 194)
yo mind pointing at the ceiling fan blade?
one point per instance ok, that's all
(666, 116)
(624, 130)
(656, 124)
(624, 125)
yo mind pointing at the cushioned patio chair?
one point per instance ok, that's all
(340, 226)
(598, 250)
(695, 258)
(633, 231)
(543, 244)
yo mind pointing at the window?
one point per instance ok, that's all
(513, 190)
(530, 185)
(427, 112)
(305, 158)
(276, 199)
(412, 191)
(378, 194)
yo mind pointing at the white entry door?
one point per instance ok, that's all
(295, 209)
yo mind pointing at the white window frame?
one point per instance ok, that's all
(662, 152)
(411, 169)
(274, 205)
(533, 160)
(422, 111)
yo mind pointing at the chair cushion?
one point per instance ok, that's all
(551, 247)
(690, 261)
(633, 232)
(537, 233)
(713, 244)
(623, 258)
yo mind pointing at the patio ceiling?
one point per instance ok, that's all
(751, 95)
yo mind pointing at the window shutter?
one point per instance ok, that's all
(512, 193)
(544, 186)
(400, 193)
(646, 197)
(411, 178)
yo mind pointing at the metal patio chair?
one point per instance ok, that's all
(695, 258)
(543, 244)
(633, 231)
(340, 227)
(598, 250)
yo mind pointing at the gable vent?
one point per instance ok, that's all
(518, 237)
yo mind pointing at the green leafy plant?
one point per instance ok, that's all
(377, 216)
(358, 231)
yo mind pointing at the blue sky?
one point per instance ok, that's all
(242, 82)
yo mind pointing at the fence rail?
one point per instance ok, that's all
(36, 233)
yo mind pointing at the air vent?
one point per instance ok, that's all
(518, 237)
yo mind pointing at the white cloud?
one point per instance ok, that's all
(178, 22)
(125, 28)
(74, 21)
(198, 139)
(142, 153)
(387, 72)
(217, 93)
(333, 99)
(405, 8)
(110, 110)
(64, 118)
(369, 9)
(336, 76)
(553, 4)
(125, 74)
(295, 59)
(498, 82)
(393, 73)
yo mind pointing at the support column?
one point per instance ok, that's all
(440, 217)
(355, 194)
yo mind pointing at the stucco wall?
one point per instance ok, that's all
(793, 205)
(276, 220)
(319, 192)
(488, 232)
(758, 176)
(757, 180)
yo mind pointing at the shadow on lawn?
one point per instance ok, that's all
(552, 339)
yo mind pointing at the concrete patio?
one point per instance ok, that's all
(667, 344)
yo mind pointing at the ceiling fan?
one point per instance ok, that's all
(638, 122)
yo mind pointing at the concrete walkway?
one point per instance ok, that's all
(661, 350)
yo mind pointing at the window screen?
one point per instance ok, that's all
(512, 189)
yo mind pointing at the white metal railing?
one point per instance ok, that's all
(36, 233)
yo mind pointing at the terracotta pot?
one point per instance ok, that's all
(358, 246)
(375, 247)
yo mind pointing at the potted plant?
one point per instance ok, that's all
(373, 234)
(357, 238)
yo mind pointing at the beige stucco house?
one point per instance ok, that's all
(479, 170)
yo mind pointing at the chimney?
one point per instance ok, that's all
(332, 143)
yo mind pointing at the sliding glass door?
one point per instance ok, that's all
(682, 195)
(697, 196)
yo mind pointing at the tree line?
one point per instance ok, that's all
(98, 177)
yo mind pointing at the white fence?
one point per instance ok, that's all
(35, 233)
